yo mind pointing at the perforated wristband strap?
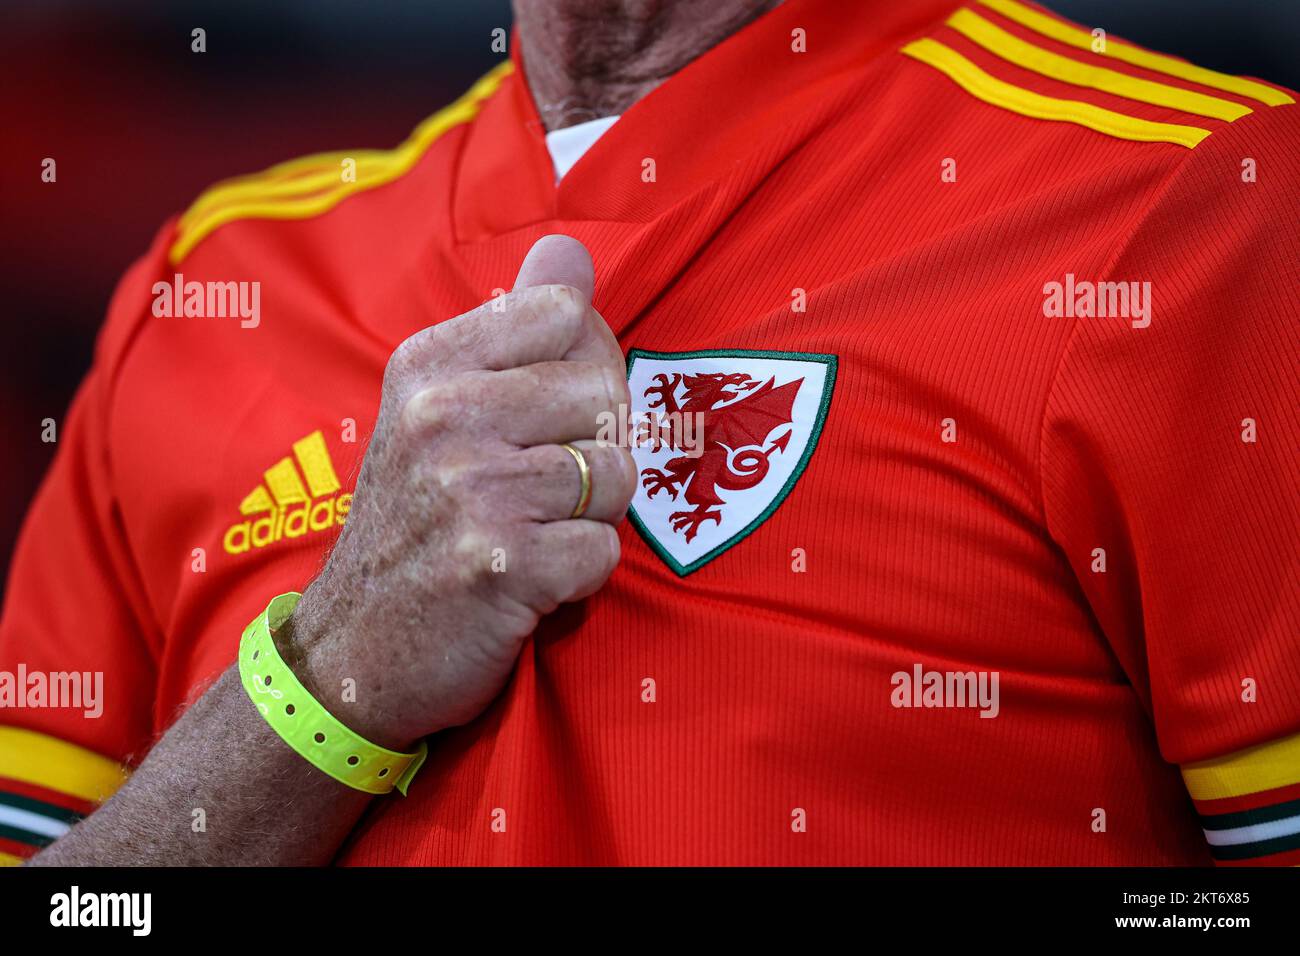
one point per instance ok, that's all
(304, 723)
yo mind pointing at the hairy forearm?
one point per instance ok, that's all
(261, 803)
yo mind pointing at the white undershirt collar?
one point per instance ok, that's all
(568, 145)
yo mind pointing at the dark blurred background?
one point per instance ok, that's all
(139, 125)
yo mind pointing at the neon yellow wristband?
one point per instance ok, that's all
(305, 724)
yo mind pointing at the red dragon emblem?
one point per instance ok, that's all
(735, 453)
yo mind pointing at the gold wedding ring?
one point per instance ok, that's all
(584, 472)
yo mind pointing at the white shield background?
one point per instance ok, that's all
(742, 509)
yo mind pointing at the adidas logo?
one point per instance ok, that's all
(291, 509)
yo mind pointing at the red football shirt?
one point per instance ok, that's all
(995, 334)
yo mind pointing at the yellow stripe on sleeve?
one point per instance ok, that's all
(1015, 50)
(310, 174)
(300, 176)
(8, 859)
(46, 761)
(1027, 103)
(1156, 62)
(313, 185)
(1266, 767)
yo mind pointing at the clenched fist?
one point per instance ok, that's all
(461, 532)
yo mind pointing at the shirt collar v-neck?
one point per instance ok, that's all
(749, 100)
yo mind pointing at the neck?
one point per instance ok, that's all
(591, 58)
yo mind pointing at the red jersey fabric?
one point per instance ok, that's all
(967, 484)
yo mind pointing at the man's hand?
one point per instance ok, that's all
(460, 535)
(464, 461)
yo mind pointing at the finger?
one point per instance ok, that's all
(548, 316)
(546, 403)
(558, 260)
(566, 261)
(545, 317)
(543, 483)
(563, 561)
(537, 324)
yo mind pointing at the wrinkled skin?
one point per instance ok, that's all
(460, 538)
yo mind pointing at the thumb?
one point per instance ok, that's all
(563, 260)
(558, 260)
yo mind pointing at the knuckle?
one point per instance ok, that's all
(475, 335)
(455, 476)
(567, 302)
(399, 363)
(615, 383)
(535, 380)
(561, 305)
(414, 358)
(617, 471)
(475, 557)
(625, 472)
(605, 550)
(434, 408)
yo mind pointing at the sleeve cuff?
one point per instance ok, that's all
(1249, 804)
(47, 785)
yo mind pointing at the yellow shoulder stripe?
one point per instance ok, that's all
(1168, 65)
(44, 761)
(1266, 767)
(312, 185)
(1015, 50)
(1027, 103)
(290, 178)
(8, 859)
